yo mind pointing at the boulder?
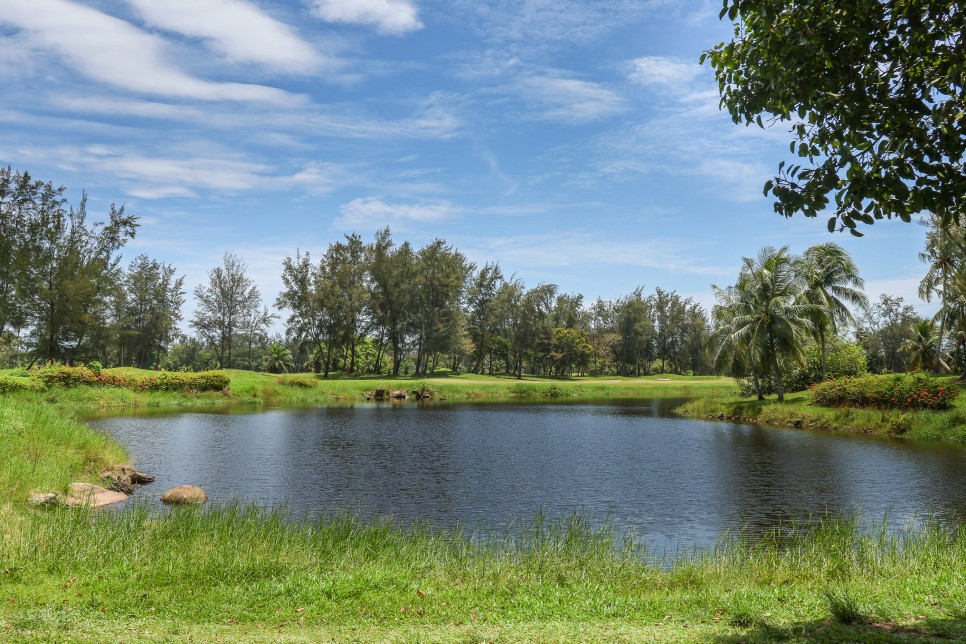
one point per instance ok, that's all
(184, 495)
(399, 394)
(89, 495)
(380, 394)
(38, 499)
(123, 478)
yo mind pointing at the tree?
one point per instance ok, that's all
(481, 294)
(874, 94)
(392, 272)
(66, 283)
(225, 305)
(149, 313)
(832, 284)
(885, 331)
(765, 315)
(278, 359)
(944, 253)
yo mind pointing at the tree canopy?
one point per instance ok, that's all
(874, 94)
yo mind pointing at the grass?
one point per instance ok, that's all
(798, 411)
(245, 573)
(262, 389)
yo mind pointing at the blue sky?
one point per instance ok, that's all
(575, 142)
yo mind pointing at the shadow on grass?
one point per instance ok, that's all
(868, 630)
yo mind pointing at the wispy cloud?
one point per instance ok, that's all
(431, 117)
(539, 25)
(236, 28)
(567, 100)
(373, 213)
(192, 172)
(562, 249)
(661, 71)
(388, 16)
(115, 52)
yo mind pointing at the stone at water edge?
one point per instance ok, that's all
(123, 478)
(184, 495)
(86, 494)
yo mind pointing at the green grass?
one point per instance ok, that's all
(256, 574)
(262, 389)
(798, 411)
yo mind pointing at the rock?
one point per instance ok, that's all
(184, 495)
(126, 474)
(380, 394)
(799, 423)
(94, 496)
(720, 415)
(39, 499)
(399, 394)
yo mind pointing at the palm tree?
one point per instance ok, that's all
(922, 345)
(832, 284)
(279, 359)
(732, 352)
(766, 315)
(944, 256)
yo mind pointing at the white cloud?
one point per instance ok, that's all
(236, 28)
(663, 72)
(568, 100)
(563, 249)
(388, 16)
(373, 213)
(157, 176)
(111, 51)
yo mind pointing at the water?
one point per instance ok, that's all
(669, 480)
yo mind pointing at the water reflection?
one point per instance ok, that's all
(669, 479)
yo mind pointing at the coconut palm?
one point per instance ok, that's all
(766, 315)
(922, 345)
(832, 285)
(279, 359)
(944, 254)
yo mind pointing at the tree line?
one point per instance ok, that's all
(384, 307)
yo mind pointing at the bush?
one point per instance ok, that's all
(14, 385)
(842, 359)
(896, 391)
(62, 376)
(300, 382)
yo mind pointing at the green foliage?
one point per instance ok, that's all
(899, 391)
(64, 376)
(301, 382)
(873, 92)
(16, 385)
(841, 359)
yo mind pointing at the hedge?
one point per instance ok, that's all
(897, 391)
(61, 376)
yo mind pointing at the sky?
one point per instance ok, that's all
(575, 142)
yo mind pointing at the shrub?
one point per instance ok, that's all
(300, 382)
(62, 376)
(95, 366)
(14, 385)
(897, 391)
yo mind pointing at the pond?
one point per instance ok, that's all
(667, 479)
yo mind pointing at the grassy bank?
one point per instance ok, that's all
(798, 411)
(242, 573)
(262, 389)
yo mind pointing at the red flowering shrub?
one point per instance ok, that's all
(61, 376)
(900, 391)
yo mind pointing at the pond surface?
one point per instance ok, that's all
(670, 480)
